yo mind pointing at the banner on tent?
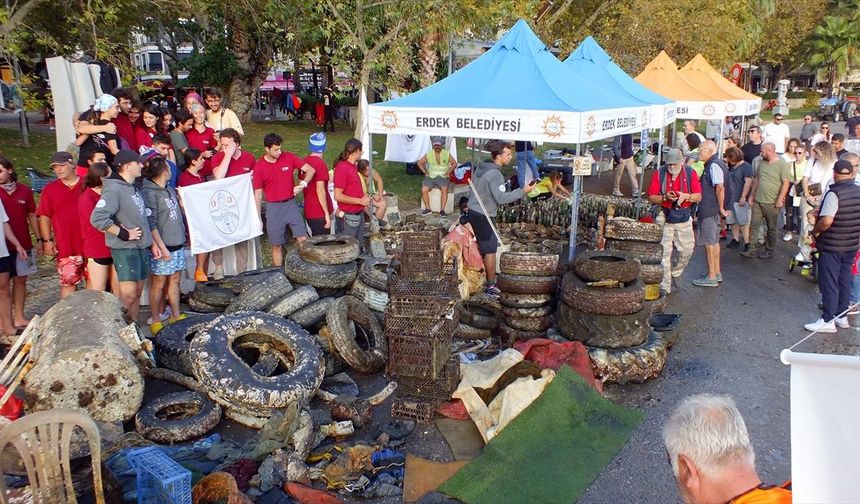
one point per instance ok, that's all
(220, 213)
(824, 418)
(609, 123)
(700, 110)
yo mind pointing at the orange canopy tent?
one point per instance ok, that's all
(662, 76)
(699, 72)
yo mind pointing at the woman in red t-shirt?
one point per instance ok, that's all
(191, 176)
(349, 193)
(201, 137)
(143, 135)
(99, 269)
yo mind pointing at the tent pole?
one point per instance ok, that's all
(643, 145)
(660, 140)
(720, 141)
(574, 213)
(743, 135)
(374, 224)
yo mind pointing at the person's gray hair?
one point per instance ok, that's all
(769, 144)
(710, 431)
(851, 157)
(708, 144)
(195, 107)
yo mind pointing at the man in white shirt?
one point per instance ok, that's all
(218, 117)
(690, 127)
(778, 133)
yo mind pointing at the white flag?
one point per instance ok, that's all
(825, 414)
(220, 213)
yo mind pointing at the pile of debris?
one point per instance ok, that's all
(528, 282)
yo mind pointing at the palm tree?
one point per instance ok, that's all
(836, 46)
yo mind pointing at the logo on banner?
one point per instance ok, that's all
(709, 110)
(590, 125)
(730, 108)
(645, 118)
(389, 119)
(224, 211)
(553, 126)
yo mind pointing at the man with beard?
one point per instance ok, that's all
(770, 186)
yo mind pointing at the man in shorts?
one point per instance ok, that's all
(274, 180)
(121, 214)
(738, 196)
(710, 211)
(58, 217)
(437, 166)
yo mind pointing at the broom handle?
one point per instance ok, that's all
(481, 203)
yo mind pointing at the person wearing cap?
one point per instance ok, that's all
(121, 214)
(274, 180)
(675, 188)
(318, 204)
(219, 117)
(58, 222)
(837, 237)
(770, 187)
(436, 166)
(94, 129)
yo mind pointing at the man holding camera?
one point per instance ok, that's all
(676, 188)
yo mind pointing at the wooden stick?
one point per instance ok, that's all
(29, 333)
(9, 391)
(19, 357)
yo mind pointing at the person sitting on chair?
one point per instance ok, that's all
(436, 166)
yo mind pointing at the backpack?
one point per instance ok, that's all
(677, 215)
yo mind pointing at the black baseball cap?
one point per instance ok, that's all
(125, 156)
(61, 157)
(843, 166)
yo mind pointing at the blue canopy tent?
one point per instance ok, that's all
(517, 90)
(592, 60)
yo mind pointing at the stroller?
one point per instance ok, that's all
(808, 269)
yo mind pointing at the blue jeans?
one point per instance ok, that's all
(526, 158)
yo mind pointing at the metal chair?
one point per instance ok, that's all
(43, 441)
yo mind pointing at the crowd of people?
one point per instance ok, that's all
(114, 217)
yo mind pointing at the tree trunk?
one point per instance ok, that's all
(252, 56)
(429, 59)
(241, 94)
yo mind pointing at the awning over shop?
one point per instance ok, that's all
(590, 60)
(706, 78)
(662, 76)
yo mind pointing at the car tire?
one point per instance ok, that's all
(348, 309)
(239, 283)
(312, 314)
(156, 418)
(647, 253)
(293, 301)
(632, 364)
(599, 265)
(374, 273)
(329, 249)
(213, 294)
(604, 331)
(541, 311)
(602, 300)
(376, 300)
(528, 263)
(198, 306)
(509, 335)
(529, 324)
(651, 273)
(261, 295)
(173, 342)
(321, 276)
(512, 300)
(467, 332)
(230, 381)
(476, 314)
(628, 229)
(521, 284)
(658, 305)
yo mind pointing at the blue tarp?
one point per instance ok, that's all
(591, 60)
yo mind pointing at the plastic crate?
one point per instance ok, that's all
(427, 327)
(160, 480)
(413, 408)
(418, 357)
(421, 265)
(440, 388)
(421, 242)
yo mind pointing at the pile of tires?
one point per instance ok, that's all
(603, 306)
(642, 241)
(528, 282)
(476, 319)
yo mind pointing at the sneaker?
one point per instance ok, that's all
(636, 193)
(618, 193)
(749, 252)
(155, 327)
(442, 213)
(842, 322)
(492, 290)
(383, 223)
(200, 275)
(219, 274)
(164, 316)
(767, 254)
(426, 211)
(821, 326)
(733, 244)
(788, 237)
(746, 246)
(853, 311)
(719, 277)
(706, 282)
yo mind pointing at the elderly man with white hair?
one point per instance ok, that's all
(712, 457)
(770, 187)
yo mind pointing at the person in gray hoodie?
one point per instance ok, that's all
(168, 235)
(490, 187)
(121, 214)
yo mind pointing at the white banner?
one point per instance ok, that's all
(701, 110)
(220, 213)
(825, 414)
(406, 148)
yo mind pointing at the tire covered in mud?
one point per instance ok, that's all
(509, 335)
(173, 342)
(540, 311)
(238, 283)
(467, 332)
(231, 381)
(602, 300)
(647, 253)
(374, 273)
(629, 229)
(529, 324)
(261, 294)
(658, 305)
(512, 300)
(651, 273)
(177, 417)
(213, 294)
(321, 276)
(476, 314)
(528, 263)
(632, 364)
(364, 360)
(329, 249)
(198, 306)
(313, 313)
(599, 265)
(293, 301)
(604, 331)
(522, 284)
(376, 300)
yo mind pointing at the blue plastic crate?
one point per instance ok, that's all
(160, 480)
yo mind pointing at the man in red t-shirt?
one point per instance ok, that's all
(229, 162)
(675, 188)
(349, 193)
(58, 214)
(274, 180)
(318, 205)
(124, 126)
